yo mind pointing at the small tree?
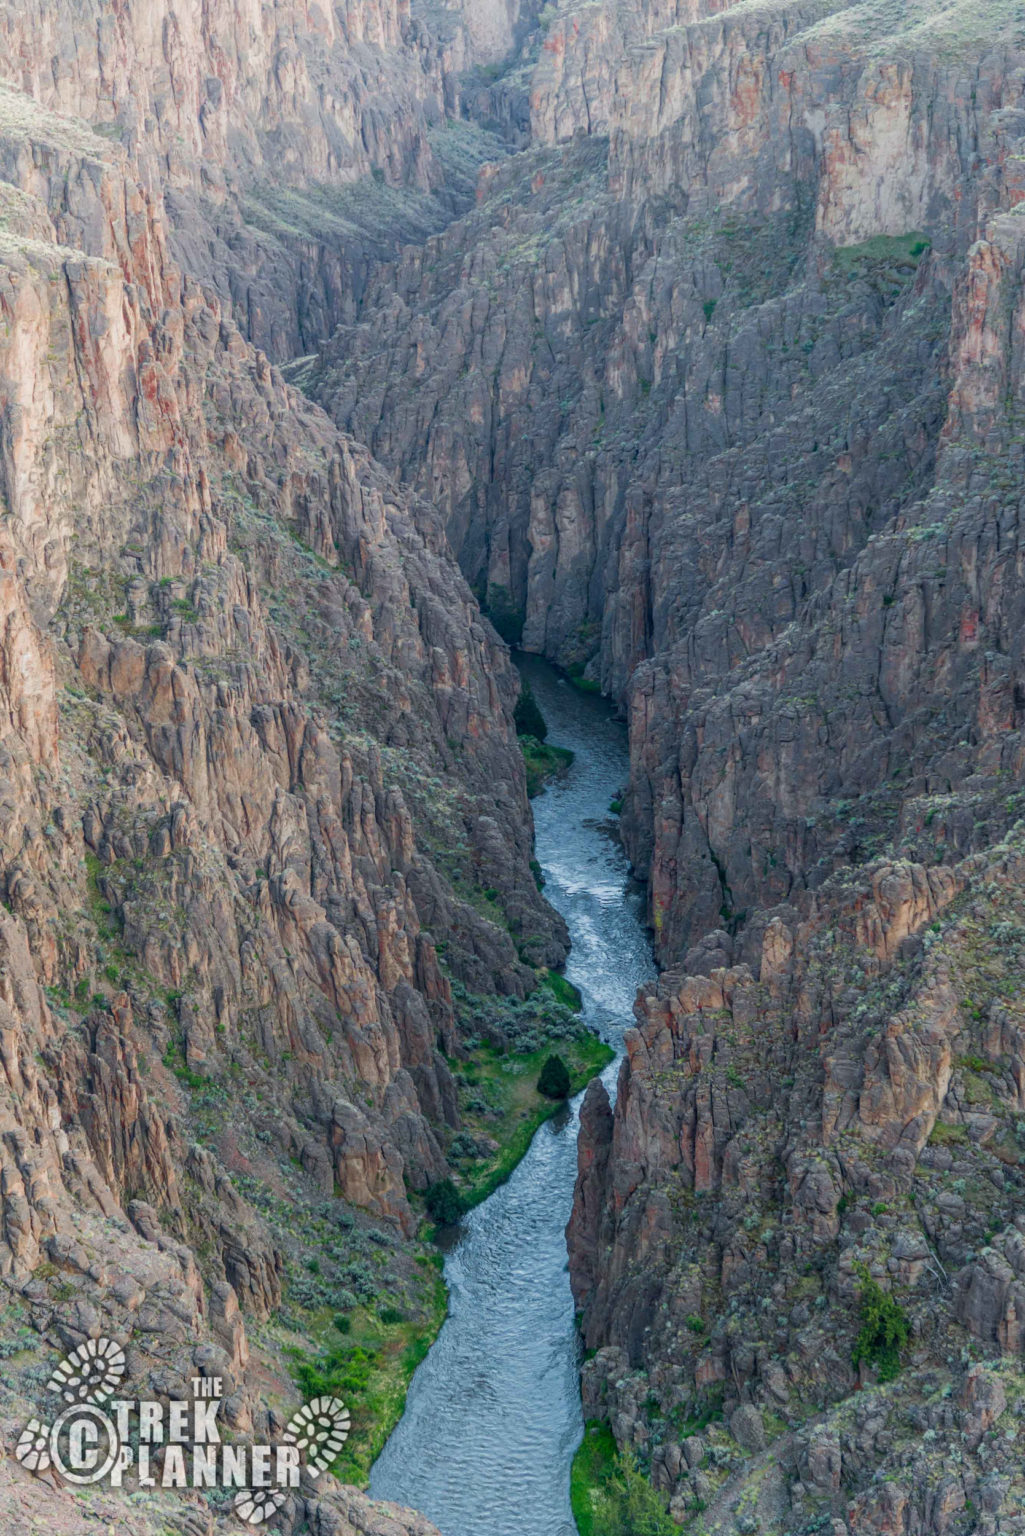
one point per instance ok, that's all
(527, 715)
(443, 1202)
(554, 1081)
(884, 1329)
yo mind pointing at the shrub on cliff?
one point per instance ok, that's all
(443, 1202)
(542, 762)
(564, 991)
(554, 1081)
(609, 1493)
(501, 609)
(884, 1329)
(527, 715)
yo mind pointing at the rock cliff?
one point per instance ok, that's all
(290, 144)
(257, 761)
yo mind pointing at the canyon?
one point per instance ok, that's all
(680, 343)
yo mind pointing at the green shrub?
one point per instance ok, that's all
(885, 1329)
(504, 614)
(528, 717)
(575, 673)
(443, 1202)
(554, 1081)
(542, 762)
(630, 1506)
(343, 1324)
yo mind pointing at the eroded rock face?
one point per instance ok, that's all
(600, 373)
(840, 1107)
(714, 390)
(263, 126)
(256, 762)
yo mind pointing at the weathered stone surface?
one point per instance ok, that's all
(256, 746)
(716, 389)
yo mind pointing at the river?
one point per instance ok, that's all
(493, 1414)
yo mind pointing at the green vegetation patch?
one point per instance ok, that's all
(527, 715)
(369, 1367)
(609, 1494)
(554, 1082)
(945, 1135)
(505, 614)
(543, 763)
(885, 259)
(884, 1332)
(443, 1202)
(575, 673)
(499, 1101)
(564, 991)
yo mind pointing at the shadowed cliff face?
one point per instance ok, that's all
(685, 366)
(292, 144)
(647, 299)
(833, 1092)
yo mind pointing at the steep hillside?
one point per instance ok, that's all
(290, 144)
(695, 332)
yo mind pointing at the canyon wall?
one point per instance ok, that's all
(291, 144)
(718, 389)
(263, 806)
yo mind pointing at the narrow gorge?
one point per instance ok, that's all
(347, 349)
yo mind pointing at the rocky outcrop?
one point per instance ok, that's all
(693, 330)
(717, 390)
(292, 145)
(601, 364)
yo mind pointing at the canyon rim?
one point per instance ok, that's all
(681, 343)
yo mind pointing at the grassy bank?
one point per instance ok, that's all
(500, 1101)
(609, 1495)
(362, 1308)
(593, 1467)
(543, 763)
(370, 1364)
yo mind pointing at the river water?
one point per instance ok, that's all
(493, 1414)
